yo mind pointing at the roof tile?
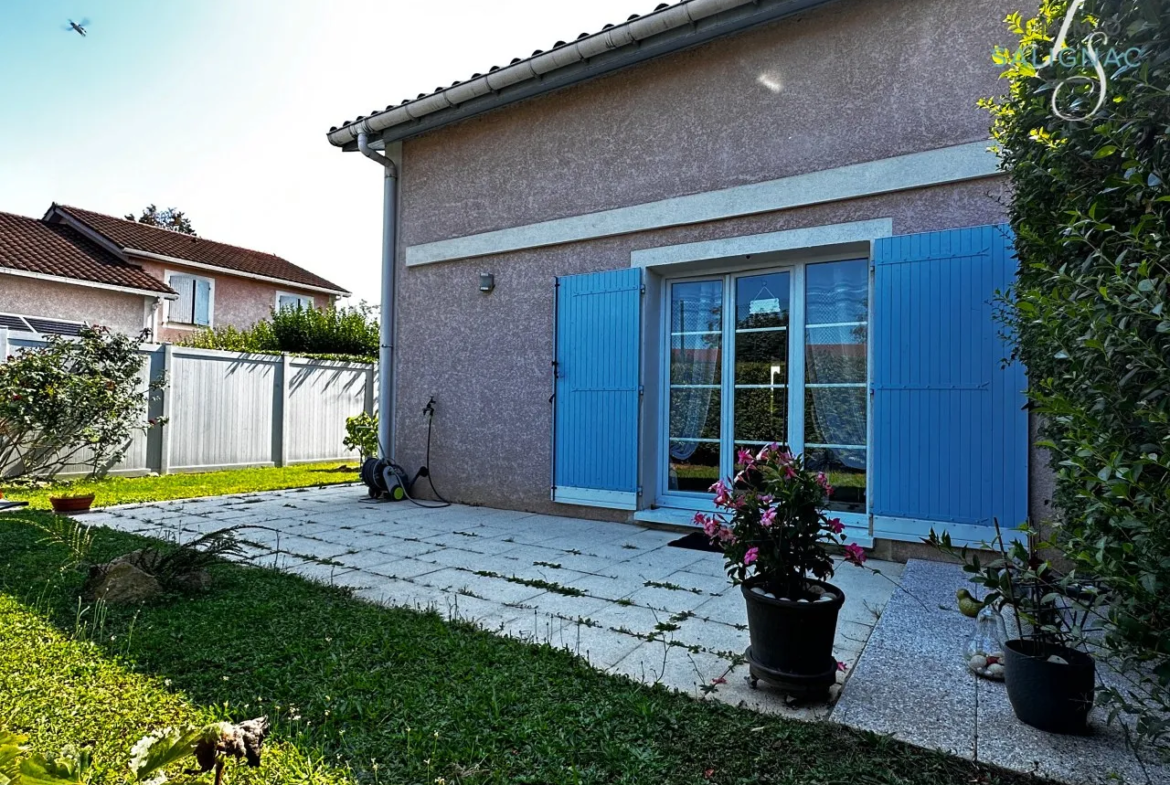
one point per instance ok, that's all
(34, 246)
(165, 242)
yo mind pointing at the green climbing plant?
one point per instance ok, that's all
(1090, 313)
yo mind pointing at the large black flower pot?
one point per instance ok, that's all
(1052, 696)
(792, 641)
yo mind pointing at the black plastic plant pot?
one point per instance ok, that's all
(792, 641)
(1052, 695)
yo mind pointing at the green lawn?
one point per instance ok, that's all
(127, 490)
(361, 693)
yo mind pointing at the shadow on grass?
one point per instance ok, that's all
(394, 695)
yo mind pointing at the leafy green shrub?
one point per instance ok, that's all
(211, 746)
(343, 332)
(361, 434)
(1091, 212)
(68, 396)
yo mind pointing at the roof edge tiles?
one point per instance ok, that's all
(669, 28)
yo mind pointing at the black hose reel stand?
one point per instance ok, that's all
(386, 480)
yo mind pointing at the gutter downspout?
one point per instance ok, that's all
(389, 273)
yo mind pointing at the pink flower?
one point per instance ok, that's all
(718, 680)
(726, 535)
(842, 666)
(745, 458)
(762, 455)
(722, 494)
(709, 523)
(854, 554)
(789, 473)
(768, 518)
(835, 525)
(751, 555)
(766, 499)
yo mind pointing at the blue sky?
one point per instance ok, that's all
(220, 107)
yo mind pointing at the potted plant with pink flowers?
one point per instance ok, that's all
(775, 534)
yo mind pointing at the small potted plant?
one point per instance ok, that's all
(67, 500)
(774, 536)
(1050, 683)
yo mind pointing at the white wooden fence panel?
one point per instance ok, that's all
(320, 398)
(221, 412)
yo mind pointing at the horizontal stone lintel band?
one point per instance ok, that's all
(971, 161)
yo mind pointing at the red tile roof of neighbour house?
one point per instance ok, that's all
(184, 247)
(34, 246)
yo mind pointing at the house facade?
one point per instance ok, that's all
(74, 266)
(714, 227)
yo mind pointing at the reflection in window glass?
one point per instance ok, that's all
(696, 364)
(762, 310)
(836, 374)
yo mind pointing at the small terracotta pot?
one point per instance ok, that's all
(71, 503)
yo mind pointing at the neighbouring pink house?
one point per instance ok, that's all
(74, 266)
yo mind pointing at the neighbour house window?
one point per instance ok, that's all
(798, 374)
(284, 300)
(194, 305)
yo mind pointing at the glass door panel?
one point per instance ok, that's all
(760, 374)
(696, 370)
(836, 357)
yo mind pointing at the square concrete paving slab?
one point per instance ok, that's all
(365, 559)
(602, 648)
(631, 619)
(500, 590)
(566, 606)
(674, 667)
(604, 586)
(713, 637)
(671, 601)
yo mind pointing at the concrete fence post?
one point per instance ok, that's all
(280, 416)
(371, 378)
(3, 344)
(168, 391)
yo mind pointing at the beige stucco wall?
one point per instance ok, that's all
(71, 302)
(239, 302)
(860, 80)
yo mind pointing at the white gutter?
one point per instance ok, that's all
(684, 13)
(230, 271)
(90, 284)
(386, 395)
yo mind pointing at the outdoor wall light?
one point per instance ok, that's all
(487, 282)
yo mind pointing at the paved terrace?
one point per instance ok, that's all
(623, 598)
(616, 594)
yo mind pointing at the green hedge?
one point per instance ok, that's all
(326, 333)
(1090, 311)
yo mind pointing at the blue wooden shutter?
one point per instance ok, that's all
(950, 435)
(597, 397)
(202, 301)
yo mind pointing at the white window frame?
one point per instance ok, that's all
(279, 294)
(697, 501)
(210, 303)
